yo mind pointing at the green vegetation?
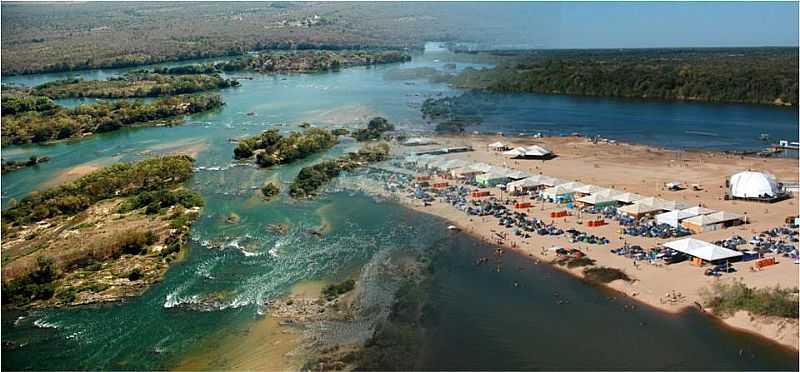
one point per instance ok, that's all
(310, 179)
(742, 75)
(726, 298)
(604, 274)
(272, 148)
(114, 181)
(133, 85)
(270, 190)
(37, 285)
(13, 165)
(310, 61)
(374, 130)
(332, 291)
(19, 103)
(62, 123)
(340, 132)
(155, 201)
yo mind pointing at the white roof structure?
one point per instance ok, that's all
(699, 210)
(638, 208)
(418, 141)
(480, 167)
(498, 145)
(534, 150)
(523, 184)
(671, 205)
(753, 185)
(572, 185)
(701, 249)
(518, 175)
(609, 193)
(588, 189)
(595, 199)
(674, 218)
(628, 197)
(712, 219)
(451, 164)
(463, 171)
(556, 190)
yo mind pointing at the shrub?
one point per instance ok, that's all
(728, 298)
(270, 190)
(135, 274)
(604, 274)
(335, 290)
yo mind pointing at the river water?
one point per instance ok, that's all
(483, 322)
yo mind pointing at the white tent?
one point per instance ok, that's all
(497, 146)
(480, 167)
(607, 193)
(638, 209)
(451, 164)
(753, 185)
(572, 185)
(697, 211)
(523, 184)
(596, 199)
(628, 197)
(518, 175)
(418, 141)
(674, 218)
(588, 189)
(529, 152)
(703, 250)
(670, 205)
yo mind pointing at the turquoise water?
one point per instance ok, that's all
(244, 264)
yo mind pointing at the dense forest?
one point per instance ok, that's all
(271, 148)
(310, 61)
(741, 75)
(133, 85)
(310, 179)
(76, 36)
(42, 123)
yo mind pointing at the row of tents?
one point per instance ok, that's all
(523, 152)
(673, 213)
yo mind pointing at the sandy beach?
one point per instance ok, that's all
(642, 170)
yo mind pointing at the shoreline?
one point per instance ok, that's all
(638, 169)
(732, 322)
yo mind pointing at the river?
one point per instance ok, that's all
(483, 322)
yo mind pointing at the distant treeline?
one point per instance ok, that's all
(133, 85)
(310, 61)
(737, 75)
(41, 122)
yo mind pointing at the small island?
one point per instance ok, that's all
(37, 123)
(272, 148)
(310, 179)
(12, 165)
(133, 85)
(106, 236)
(310, 61)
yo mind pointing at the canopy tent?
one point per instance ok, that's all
(639, 209)
(524, 184)
(588, 189)
(518, 175)
(608, 193)
(596, 200)
(670, 205)
(699, 211)
(557, 194)
(753, 185)
(703, 250)
(529, 152)
(673, 218)
(572, 185)
(419, 141)
(491, 179)
(498, 146)
(712, 222)
(628, 197)
(464, 172)
(480, 167)
(551, 181)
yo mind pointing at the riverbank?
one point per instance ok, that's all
(643, 170)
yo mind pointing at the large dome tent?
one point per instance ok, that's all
(749, 184)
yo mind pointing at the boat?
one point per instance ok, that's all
(453, 228)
